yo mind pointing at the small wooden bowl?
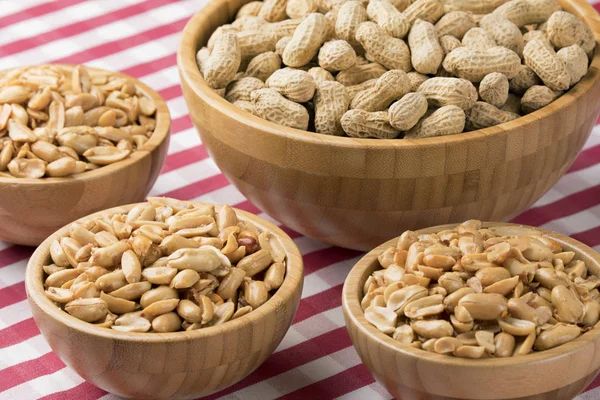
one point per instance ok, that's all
(357, 193)
(32, 209)
(408, 373)
(180, 365)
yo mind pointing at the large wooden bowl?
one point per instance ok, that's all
(180, 365)
(32, 209)
(408, 373)
(358, 193)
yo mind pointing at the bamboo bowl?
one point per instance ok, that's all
(180, 365)
(407, 373)
(357, 193)
(32, 209)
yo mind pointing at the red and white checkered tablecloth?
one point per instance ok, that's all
(316, 358)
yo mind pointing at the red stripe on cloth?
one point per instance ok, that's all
(587, 158)
(181, 124)
(80, 27)
(597, 6)
(561, 208)
(18, 333)
(328, 256)
(291, 358)
(197, 189)
(150, 67)
(318, 303)
(184, 157)
(84, 391)
(171, 92)
(12, 294)
(590, 237)
(35, 11)
(13, 254)
(334, 386)
(28, 370)
(115, 46)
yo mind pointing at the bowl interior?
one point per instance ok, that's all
(219, 12)
(293, 279)
(352, 295)
(160, 134)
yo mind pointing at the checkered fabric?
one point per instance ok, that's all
(316, 358)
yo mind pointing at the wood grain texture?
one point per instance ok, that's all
(408, 373)
(358, 193)
(180, 365)
(32, 209)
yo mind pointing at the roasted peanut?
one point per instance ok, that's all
(114, 288)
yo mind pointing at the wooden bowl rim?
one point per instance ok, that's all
(293, 278)
(186, 60)
(160, 134)
(351, 306)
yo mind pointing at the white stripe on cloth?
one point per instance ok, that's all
(13, 273)
(13, 314)
(57, 19)
(29, 349)
(297, 378)
(113, 31)
(372, 392)
(139, 54)
(58, 381)
(579, 222)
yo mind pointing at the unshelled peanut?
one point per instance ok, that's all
(441, 92)
(455, 23)
(426, 53)
(363, 124)
(446, 120)
(536, 97)
(272, 106)
(449, 53)
(331, 102)
(483, 115)
(546, 64)
(406, 112)
(390, 86)
(493, 89)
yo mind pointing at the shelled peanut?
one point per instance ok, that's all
(58, 121)
(507, 46)
(166, 265)
(477, 292)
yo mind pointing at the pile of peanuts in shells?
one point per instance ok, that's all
(396, 68)
(476, 292)
(59, 121)
(165, 266)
